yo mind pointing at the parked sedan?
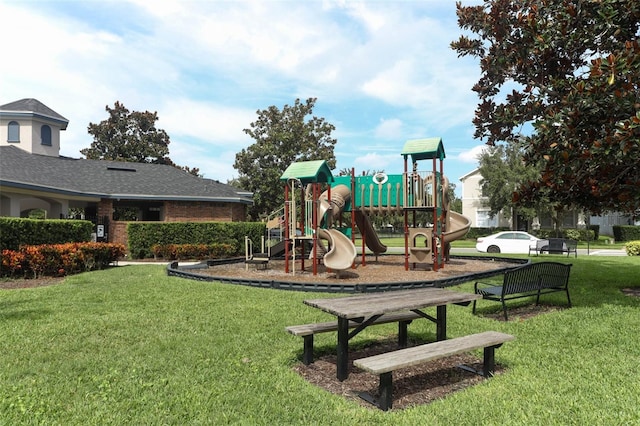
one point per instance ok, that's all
(506, 242)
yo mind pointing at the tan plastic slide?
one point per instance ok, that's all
(342, 252)
(458, 225)
(370, 235)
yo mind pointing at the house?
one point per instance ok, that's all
(474, 206)
(34, 176)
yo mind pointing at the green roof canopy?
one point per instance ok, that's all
(316, 171)
(424, 149)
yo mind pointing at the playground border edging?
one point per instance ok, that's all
(189, 272)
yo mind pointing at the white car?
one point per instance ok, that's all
(517, 242)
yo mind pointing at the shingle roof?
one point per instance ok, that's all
(34, 106)
(109, 179)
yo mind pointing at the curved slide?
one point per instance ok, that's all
(342, 253)
(459, 226)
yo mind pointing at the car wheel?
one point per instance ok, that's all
(544, 249)
(493, 249)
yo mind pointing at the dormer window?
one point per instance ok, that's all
(14, 132)
(45, 135)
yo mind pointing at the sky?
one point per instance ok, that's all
(382, 72)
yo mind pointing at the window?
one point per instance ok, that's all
(483, 220)
(14, 132)
(45, 135)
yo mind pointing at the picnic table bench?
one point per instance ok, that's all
(555, 246)
(533, 279)
(307, 331)
(356, 313)
(384, 364)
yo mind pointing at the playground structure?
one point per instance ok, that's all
(316, 204)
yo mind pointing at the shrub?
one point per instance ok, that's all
(13, 263)
(193, 251)
(626, 232)
(580, 234)
(143, 236)
(633, 248)
(59, 259)
(15, 232)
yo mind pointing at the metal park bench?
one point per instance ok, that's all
(533, 279)
(555, 246)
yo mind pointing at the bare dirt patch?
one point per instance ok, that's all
(631, 291)
(15, 283)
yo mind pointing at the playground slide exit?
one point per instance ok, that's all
(342, 253)
(459, 226)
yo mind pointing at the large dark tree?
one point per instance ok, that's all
(566, 73)
(281, 138)
(130, 136)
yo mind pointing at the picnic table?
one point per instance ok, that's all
(369, 308)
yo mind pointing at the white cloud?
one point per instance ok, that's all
(383, 72)
(374, 161)
(472, 155)
(389, 129)
(217, 125)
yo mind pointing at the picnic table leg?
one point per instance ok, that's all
(489, 361)
(307, 354)
(402, 333)
(342, 349)
(384, 389)
(441, 322)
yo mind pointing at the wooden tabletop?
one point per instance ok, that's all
(380, 303)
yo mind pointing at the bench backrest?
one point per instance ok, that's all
(556, 244)
(541, 243)
(535, 276)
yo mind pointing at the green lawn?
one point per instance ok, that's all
(132, 346)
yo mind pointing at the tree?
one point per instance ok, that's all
(455, 203)
(570, 71)
(503, 171)
(128, 136)
(282, 137)
(131, 136)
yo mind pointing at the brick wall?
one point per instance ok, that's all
(118, 233)
(184, 211)
(177, 211)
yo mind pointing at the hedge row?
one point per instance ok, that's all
(623, 233)
(194, 251)
(58, 259)
(16, 232)
(143, 236)
(571, 233)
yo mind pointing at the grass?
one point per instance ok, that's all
(132, 346)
